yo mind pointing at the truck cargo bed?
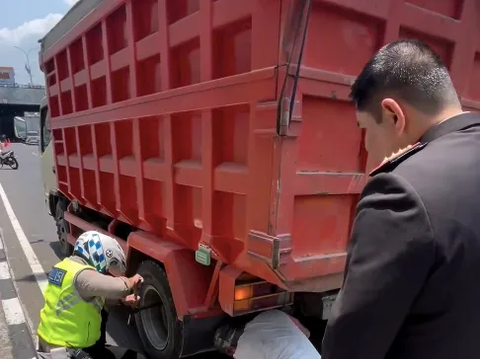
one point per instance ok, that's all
(173, 116)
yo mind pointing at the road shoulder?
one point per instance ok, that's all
(15, 333)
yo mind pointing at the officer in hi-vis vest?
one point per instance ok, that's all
(77, 290)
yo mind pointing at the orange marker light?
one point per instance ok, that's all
(243, 293)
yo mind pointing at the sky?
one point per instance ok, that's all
(27, 22)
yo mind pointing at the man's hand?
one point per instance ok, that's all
(131, 300)
(135, 281)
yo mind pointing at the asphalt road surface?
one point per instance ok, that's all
(31, 246)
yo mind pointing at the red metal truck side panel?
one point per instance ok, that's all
(164, 117)
(323, 163)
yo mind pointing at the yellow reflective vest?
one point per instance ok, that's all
(67, 320)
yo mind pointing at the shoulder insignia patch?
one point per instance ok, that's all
(389, 163)
(56, 276)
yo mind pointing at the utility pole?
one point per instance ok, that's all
(27, 64)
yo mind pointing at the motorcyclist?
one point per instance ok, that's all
(3, 140)
(74, 315)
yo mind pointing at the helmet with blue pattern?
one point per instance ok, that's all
(100, 251)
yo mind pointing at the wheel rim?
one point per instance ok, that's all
(62, 234)
(62, 228)
(154, 319)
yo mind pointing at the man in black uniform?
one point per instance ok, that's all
(412, 280)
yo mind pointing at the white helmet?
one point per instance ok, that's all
(101, 251)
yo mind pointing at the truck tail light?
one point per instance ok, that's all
(259, 296)
(241, 293)
(262, 303)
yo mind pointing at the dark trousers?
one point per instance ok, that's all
(98, 350)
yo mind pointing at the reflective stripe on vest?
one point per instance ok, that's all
(67, 320)
(72, 299)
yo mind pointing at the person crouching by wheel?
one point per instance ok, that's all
(74, 315)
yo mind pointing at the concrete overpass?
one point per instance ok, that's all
(22, 95)
(15, 101)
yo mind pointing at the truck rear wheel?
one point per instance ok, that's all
(66, 248)
(158, 327)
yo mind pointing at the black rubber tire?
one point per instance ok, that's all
(13, 163)
(66, 249)
(154, 276)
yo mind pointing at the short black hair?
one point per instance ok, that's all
(408, 70)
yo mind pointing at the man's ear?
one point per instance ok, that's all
(391, 111)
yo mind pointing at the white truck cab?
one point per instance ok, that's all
(50, 184)
(55, 201)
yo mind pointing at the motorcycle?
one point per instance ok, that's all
(8, 158)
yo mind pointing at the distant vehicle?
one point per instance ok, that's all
(32, 138)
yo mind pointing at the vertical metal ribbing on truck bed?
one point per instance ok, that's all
(137, 154)
(71, 79)
(96, 166)
(87, 70)
(108, 79)
(60, 113)
(106, 58)
(166, 80)
(116, 169)
(206, 63)
(59, 86)
(65, 153)
(79, 155)
(132, 54)
(261, 149)
(78, 147)
(92, 127)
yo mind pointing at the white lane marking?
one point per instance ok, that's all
(13, 311)
(32, 259)
(4, 271)
(31, 328)
(5, 339)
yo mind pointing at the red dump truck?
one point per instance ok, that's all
(228, 172)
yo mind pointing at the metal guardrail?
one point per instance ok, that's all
(24, 86)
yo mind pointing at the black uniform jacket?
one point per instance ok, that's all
(412, 279)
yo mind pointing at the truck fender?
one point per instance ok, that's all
(189, 281)
(51, 202)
